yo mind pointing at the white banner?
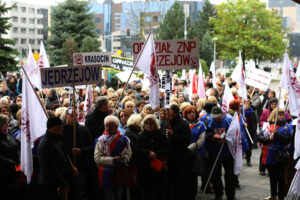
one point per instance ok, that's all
(173, 54)
(92, 58)
(66, 76)
(258, 79)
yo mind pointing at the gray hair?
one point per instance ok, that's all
(111, 119)
(134, 120)
(154, 119)
(100, 101)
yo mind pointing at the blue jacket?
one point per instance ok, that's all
(213, 147)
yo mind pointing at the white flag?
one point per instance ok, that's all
(33, 71)
(238, 75)
(298, 70)
(33, 125)
(234, 141)
(213, 73)
(294, 191)
(227, 98)
(147, 63)
(183, 76)
(43, 60)
(88, 102)
(289, 81)
(201, 84)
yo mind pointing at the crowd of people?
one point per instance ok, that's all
(165, 149)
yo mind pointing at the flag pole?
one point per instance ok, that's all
(252, 92)
(74, 121)
(247, 131)
(275, 123)
(213, 168)
(134, 66)
(35, 92)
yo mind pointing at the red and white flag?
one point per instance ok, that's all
(193, 83)
(43, 59)
(146, 62)
(234, 141)
(88, 102)
(227, 98)
(32, 70)
(33, 125)
(238, 75)
(289, 82)
(201, 83)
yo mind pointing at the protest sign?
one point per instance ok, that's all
(92, 58)
(121, 63)
(173, 54)
(258, 79)
(66, 76)
(167, 86)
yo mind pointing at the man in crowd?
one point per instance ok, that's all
(216, 142)
(179, 136)
(56, 171)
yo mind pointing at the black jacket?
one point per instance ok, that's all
(9, 157)
(55, 170)
(132, 134)
(50, 102)
(181, 138)
(83, 142)
(95, 123)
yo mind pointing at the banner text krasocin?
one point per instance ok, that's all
(66, 76)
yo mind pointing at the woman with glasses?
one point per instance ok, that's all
(151, 150)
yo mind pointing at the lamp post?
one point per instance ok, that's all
(215, 46)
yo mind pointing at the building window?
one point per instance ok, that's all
(15, 19)
(23, 9)
(32, 31)
(23, 20)
(155, 19)
(31, 10)
(39, 41)
(147, 19)
(23, 41)
(15, 8)
(31, 41)
(15, 30)
(16, 40)
(98, 20)
(31, 20)
(23, 30)
(99, 31)
(40, 31)
(39, 21)
(39, 11)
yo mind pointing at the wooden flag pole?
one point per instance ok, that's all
(74, 122)
(275, 123)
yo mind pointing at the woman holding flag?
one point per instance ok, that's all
(275, 139)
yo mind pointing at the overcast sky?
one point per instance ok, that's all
(54, 2)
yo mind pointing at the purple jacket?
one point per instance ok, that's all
(265, 115)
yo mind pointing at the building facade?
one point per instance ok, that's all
(29, 26)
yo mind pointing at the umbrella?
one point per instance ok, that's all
(123, 76)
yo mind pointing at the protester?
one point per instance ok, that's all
(111, 149)
(13, 125)
(123, 116)
(179, 136)
(152, 148)
(275, 138)
(56, 171)
(197, 128)
(79, 150)
(216, 142)
(9, 159)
